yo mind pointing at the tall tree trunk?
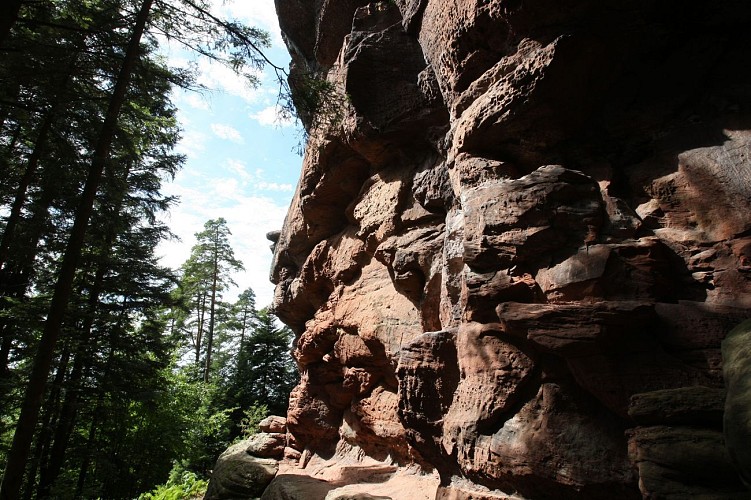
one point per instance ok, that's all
(8, 14)
(19, 451)
(98, 411)
(31, 168)
(96, 417)
(242, 333)
(201, 301)
(83, 356)
(20, 199)
(212, 313)
(96, 422)
(17, 279)
(51, 409)
(90, 441)
(50, 468)
(68, 412)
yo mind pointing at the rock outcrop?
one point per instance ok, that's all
(520, 236)
(240, 474)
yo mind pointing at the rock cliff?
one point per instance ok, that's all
(520, 235)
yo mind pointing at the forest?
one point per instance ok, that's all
(117, 373)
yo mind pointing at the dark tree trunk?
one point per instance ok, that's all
(50, 414)
(31, 167)
(212, 313)
(16, 278)
(19, 451)
(8, 15)
(199, 334)
(97, 414)
(90, 441)
(20, 199)
(50, 468)
(242, 334)
(83, 359)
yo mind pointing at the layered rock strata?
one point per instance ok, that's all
(521, 232)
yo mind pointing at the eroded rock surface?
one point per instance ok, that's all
(238, 474)
(517, 246)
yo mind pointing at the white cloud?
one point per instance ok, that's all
(273, 186)
(192, 142)
(227, 132)
(195, 100)
(226, 188)
(238, 167)
(248, 217)
(257, 13)
(271, 116)
(215, 76)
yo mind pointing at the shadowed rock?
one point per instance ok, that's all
(736, 354)
(511, 260)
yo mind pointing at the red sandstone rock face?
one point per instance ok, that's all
(511, 261)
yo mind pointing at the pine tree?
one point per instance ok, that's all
(206, 275)
(27, 420)
(244, 316)
(265, 371)
(86, 133)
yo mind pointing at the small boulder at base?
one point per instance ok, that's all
(266, 445)
(237, 474)
(273, 424)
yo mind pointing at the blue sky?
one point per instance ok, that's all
(241, 161)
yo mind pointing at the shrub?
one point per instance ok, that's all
(181, 484)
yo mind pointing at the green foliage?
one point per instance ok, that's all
(120, 407)
(205, 276)
(190, 413)
(7, 420)
(182, 484)
(317, 102)
(265, 373)
(252, 416)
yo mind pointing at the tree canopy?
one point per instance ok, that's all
(91, 370)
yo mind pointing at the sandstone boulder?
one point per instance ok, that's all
(273, 423)
(237, 474)
(680, 462)
(266, 445)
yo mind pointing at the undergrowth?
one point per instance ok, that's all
(181, 485)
